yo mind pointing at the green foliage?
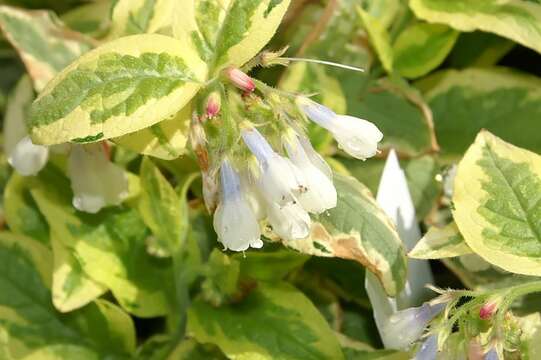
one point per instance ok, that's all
(293, 327)
(357, 230)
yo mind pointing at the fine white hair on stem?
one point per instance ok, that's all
(323, 62)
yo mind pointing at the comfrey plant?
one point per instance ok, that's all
(281, 183)
(259, 169)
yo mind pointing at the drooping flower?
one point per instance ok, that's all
(290, 222)
(278, 178)
(428, 349)
(234, 220)
(357, 137)
(406, 326)
(96, 182)
(319, 193)
(27, 158)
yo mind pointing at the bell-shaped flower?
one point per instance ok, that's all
(96, 182)
(278, 178)
(428, 349)
(234, 220)
(319, 193)
(358, 137)
(406, 326)
(290, 222)
(27, 158)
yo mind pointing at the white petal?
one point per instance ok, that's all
(257, 144)
(428, 349)
(278, 177)
(321, 115)
(236, 225)
(290, 222)
(96, 182)
(315, 158)
(318, 193)
(28, 159)
(256, 244)
(253, 196)
(406, 326)
(394, 198)
(234, 221)
(358, 137)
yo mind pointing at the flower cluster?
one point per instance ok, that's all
(285, 183)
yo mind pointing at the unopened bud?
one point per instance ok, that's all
(240, 79)
(213, 105)
(270, 58)
(488, 309)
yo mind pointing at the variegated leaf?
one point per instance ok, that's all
(72, 288)
(92, 19)
(379, 38)
(131, 17)
(439, 243)
(109, 247)
(294, 328)
(497, 199)
(357, 229)
(45, 45)
(123, 86)
(517, 20)
(165, 140)
(32, 327)
(476, 273)
(228, 32)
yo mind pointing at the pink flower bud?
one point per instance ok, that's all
(487, 310)
(240, 79)
(213, 106)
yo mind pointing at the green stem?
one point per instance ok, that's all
(267, 90)
(515, 292)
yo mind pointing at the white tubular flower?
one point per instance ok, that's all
(278, 177)
(406, 326)
(28, 159)
(96, 182)
(428, 349)
(290, 222)
(319, 193)
(234, 220)
(358, 137)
